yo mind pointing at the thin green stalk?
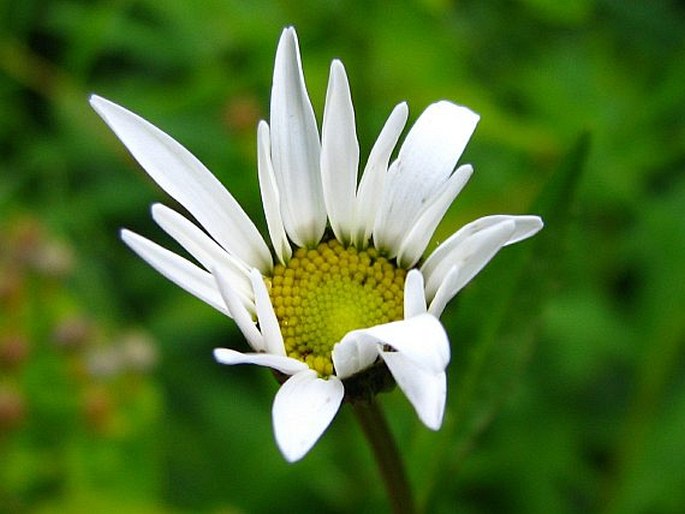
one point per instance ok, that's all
(387, 456)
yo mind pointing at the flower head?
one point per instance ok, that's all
(342, 292)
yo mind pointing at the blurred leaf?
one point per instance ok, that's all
(649, 445)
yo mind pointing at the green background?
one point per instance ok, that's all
(566, 383)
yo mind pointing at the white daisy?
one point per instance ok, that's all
(344, 296)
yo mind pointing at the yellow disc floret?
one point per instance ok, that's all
(325, 292)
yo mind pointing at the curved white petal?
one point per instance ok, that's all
(339, 154)
(187, 180)
(354, 353)
(270, 196)
(473, 256)
(414, 297)
(268, 323)
(295, 147)
(286, 365)
(526, 226)
(470, 257)
(426, 160)
(421, 339)
(180, 271)
(240, 314)
(425, 390)
(303, 408)
(447, 290)
(204, 249)
(470, 248)
(414, 243)
(370, 190)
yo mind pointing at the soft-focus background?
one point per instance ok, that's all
(567, 380)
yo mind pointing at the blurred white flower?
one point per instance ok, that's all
(342, 290)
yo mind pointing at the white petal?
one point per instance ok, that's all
(446, 291)
(469, 249)
(295, 147)
(180, 271)
(472, 257)
(303, 408)
(268, 323)
(354, 353)
(414, 297)
(414, 243)
(339, 154)
(426, 160)
(421, 339)
(425, 390)
(526, 226)
(286, 365)
(205, 250)
(270, 196)
(370, 190)
(187, 180)
(240, 314)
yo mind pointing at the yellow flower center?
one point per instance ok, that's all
(325, 292)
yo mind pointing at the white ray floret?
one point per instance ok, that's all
(339, 154)
(187, 180)
(271, 199)
(416, 240)
(204, 249)
(303, 408)
(182, 272)
(425, 161)
(241, 315)
(266, 316)
(370, 190)
(295, 146)
(417, 367)
(472, 246)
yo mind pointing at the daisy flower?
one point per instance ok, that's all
(342, 294)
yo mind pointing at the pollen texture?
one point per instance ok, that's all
(325, 292)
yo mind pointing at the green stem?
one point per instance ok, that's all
(387, 456)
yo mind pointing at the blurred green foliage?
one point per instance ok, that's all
(567, 381)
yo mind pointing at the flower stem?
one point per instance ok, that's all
(387, 456)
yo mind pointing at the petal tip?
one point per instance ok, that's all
(303, 409)
(288, 37)
(435, 423)
(466, 169)
(337, 66)
(454, 115)
(126, 235)
(292, 453)
(102, 106)
(262, 126)
(219, 354)
(157, 208)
